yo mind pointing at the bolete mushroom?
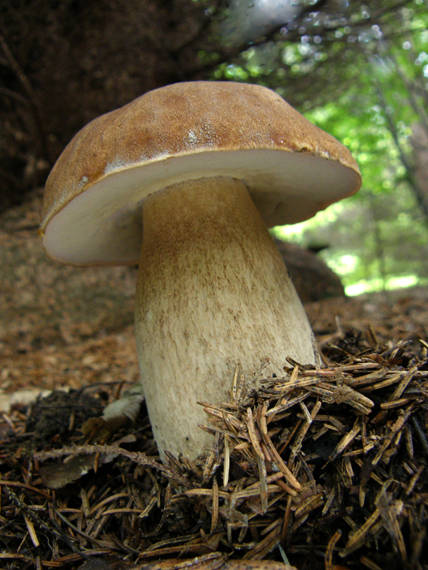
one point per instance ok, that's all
(185, 181)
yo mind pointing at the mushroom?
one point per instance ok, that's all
(185, 180)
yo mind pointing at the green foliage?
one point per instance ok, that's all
(370, 104)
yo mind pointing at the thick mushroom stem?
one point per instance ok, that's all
(212, 294)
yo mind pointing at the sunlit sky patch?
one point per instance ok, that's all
(250, 19)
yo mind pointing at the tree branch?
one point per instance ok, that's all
(31, 96)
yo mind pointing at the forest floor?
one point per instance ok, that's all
(67, 327)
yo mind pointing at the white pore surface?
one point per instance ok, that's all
(102, 225)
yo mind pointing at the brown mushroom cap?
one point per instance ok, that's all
(183, 131)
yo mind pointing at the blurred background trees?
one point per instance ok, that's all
(357, 69)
